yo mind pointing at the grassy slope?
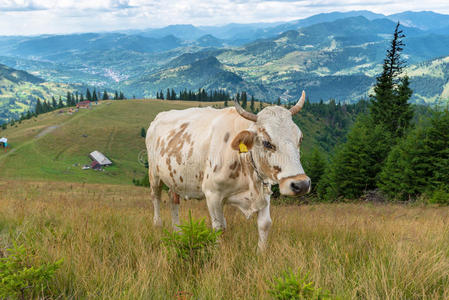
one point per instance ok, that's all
(113, 127)
(110, 249)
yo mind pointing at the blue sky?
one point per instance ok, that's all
(29, 17)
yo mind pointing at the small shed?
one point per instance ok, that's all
(100, 158)
(3, 142)
(83, 104)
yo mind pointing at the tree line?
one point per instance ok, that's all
(385, 152)
(71, 99)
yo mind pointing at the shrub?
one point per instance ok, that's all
(294, 286)
(440, 196)
(194, 242)
(20, 279)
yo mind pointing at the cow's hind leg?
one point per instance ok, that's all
(155, 190)
(174, 202)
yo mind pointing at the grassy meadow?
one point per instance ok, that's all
(111, 250)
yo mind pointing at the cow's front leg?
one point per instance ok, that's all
(215, 206)
(174, 204)
(263, 225)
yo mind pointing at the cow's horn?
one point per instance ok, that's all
(295, 109)
(247, 115)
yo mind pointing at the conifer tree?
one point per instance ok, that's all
(278, 101)
(389, 104)
(121, 96)
(69, 99)
(94, 96)
(251, 106)
(53, 102)
(105, 95)
(315, 167)
(244, 100)
(88, 95)
(38, 110)
(60, 104)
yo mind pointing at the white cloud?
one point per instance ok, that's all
(63, 16)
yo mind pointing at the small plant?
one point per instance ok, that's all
(440, 195)
(194, 242)
(21, 280)
(292, 286)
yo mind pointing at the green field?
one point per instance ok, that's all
(113, 128)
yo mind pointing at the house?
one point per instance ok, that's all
(83, 104)
(3, 142)
(100, 158)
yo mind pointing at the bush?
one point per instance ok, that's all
(295, 286)
(194, 242)
(440, 196)
(20, 279)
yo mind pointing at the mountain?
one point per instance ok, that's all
(191, 73)
(335, 55)
(19, 91)
(424, 20)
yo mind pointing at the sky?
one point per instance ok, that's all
(31, 17)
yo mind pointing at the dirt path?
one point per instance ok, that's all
(41, 134)
(47, 130)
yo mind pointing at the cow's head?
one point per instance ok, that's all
(273, 142)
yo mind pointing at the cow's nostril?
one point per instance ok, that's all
(300, 186)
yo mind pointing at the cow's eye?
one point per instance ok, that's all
(267, 145)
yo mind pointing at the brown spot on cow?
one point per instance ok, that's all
(174, 171)
(180, 178)
(215, 168)
(176, 143)
(277, 169)
(157, 168)
(264, 133)
(175, 198)
(243, 137)
(226, 137)
(190, 152)
(233, 165)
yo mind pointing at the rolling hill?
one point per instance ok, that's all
(19, 91)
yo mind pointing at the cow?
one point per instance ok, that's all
(226, 156)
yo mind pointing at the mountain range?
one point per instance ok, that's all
(334, 55)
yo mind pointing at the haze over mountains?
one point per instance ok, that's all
(334, 55)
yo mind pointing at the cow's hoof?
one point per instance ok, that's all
(157, 222)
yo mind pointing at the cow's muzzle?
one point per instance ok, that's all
(295, 185)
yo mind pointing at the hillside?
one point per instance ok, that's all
(19, 91)
(55, 146)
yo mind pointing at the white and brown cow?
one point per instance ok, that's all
(227, 156)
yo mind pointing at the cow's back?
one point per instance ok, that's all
(182, 144)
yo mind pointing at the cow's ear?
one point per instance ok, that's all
(243, 141)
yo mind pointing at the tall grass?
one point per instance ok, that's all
(111, 250)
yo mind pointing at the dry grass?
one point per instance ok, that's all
(111, 250)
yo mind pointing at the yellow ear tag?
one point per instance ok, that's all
(243, 148)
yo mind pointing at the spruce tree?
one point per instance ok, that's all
(251, 106)
(69, 99)
(121, 96)
(54, 103)
(60, 104)
(244, 100)
(88, 95)
(389, 104)
(105, 95)
(94, 96)
(315, 167)
(38, 109)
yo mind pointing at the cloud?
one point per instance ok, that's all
(66, 16)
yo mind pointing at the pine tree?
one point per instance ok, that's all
(88, 95)
(69, 99)
(38, 109)
(389, 104)
(357, 162)
(105, 95)
(278, 101)
(116, 95)
(157, 95)
(60, 104)
(315, 167)
(54, 104)
(251, 106)
(168, 95)
(94, 96)
(244, 100)
(121, 96)
(173, 94)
